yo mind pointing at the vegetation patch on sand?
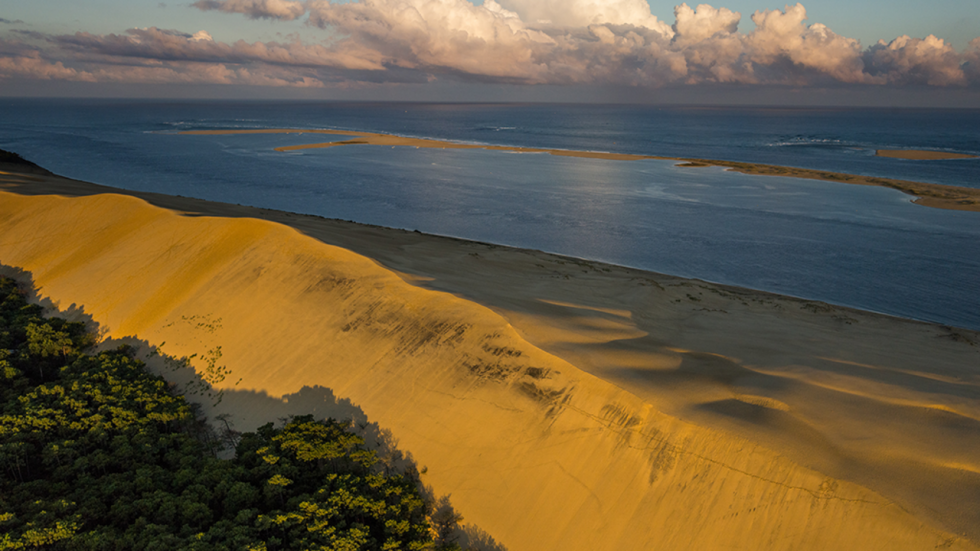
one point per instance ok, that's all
(97, 453)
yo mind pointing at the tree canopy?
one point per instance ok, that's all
(98, 454)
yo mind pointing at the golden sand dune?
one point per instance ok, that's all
(929, 195)
(564, 404)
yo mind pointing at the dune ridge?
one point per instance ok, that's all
(572, 405)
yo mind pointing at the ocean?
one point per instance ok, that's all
(857, 246)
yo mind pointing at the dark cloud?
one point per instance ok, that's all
(256, 9)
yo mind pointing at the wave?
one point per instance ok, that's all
(496, 128)
(810, 141)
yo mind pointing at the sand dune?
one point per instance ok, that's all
(564, 404)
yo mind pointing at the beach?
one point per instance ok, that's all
(563, 403)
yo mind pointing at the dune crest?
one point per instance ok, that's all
(539, 452)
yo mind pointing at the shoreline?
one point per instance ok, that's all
(921, 154)
(598, 392)
(76, 188)
(930, 195)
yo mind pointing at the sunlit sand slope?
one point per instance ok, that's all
(536, 451)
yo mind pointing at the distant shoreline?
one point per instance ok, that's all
(921, 154)
(930, 195)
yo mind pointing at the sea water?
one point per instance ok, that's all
(865, 247)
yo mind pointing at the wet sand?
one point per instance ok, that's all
(921, 154)
(930, 195)
(565, 404)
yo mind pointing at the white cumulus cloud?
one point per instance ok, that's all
(696, 25)
(908, 60)
(782, 35)
(439, 35)
(583, 13)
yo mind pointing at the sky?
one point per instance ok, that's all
(838, 52)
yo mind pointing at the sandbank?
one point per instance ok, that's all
(921, 154)
(565, 404)
(930, 195)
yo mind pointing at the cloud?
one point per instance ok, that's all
(442, 36)
(692, 26)
(15, 48)
(606, 41)
(583, 13)
(708, 40)
(32, 35)
(19, 60)
(782, 36)
(908, 60)
(256, 9)
(210, 73)
(9, 22)
(36, 68)
(602, 42)
(168, 45)
(31, 65)
(971, 67)
(706, 47)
